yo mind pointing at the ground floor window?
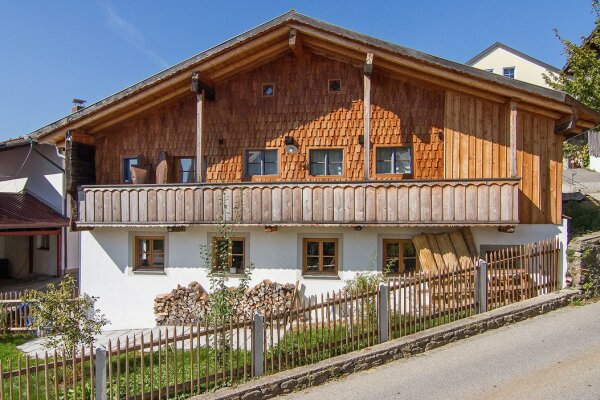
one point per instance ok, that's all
(399, 256)
(43, 242)
(149, 252)
(320, 256)
(228, 254)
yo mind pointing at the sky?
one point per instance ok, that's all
(54, 51)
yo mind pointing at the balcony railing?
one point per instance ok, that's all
(406, 202)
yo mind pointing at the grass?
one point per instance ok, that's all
(8, 347)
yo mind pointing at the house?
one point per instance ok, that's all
(511, 63)
(34, 239)
(327, 151)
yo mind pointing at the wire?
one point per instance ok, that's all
(22, 165)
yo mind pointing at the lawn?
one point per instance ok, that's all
(8, 347)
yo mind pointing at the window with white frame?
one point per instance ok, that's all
(393, 160)
(509, 72)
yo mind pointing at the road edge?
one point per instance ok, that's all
(316, 374)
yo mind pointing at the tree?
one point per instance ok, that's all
(70, 321)
(581, 78)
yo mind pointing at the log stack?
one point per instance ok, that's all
(188, 305)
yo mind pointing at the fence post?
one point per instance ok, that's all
(383, 322)
(258, 355)
(100, 374)
(481, 286)
(562, 267)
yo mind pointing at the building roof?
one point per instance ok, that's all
(348, 42)
(24, 211)
(14, 142)
(499, 45)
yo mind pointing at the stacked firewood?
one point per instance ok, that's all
(188, 305)
(182, 306)
(267, 297)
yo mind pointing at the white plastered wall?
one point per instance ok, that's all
(127, 297)
(525, 70)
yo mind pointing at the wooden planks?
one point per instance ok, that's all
(407, 202)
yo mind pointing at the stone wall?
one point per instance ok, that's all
(583, 255)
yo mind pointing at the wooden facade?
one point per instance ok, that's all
(410, 202)
(496, 140)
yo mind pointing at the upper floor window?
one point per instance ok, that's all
(508, 72)
(268, 90)
(399, 256)
(185, 169)
(128, 163)
(261, 162)
(334, 85)
(229, 254)
(326, 162)
(149, 252)
(393, 160)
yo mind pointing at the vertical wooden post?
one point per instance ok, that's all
(200, 95)
(512, 140)
(30, 250)
(367, 114)
(481, 286)
(258, 354)
(101, 374)
(383, 306)
(59, 253)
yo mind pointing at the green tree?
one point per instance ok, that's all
(70, 321)
(582, 77)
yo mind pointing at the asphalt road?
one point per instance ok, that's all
(553, 356)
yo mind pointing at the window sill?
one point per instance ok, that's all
(324, 277)
(229, 275)
(142, 271)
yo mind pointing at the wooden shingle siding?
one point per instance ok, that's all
(409, 202)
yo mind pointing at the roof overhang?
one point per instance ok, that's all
(271, 40)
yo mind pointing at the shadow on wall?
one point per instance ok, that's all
(584, 216)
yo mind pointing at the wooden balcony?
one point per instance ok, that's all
(395, 203)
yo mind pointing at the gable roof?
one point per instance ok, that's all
(499, 45)
(149, 91)
(23, 211)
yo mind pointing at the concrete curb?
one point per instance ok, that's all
(319, 373)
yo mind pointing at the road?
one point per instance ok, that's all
(553, 356)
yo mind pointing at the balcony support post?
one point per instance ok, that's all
(512, 132)
(199, 125)
(367, 114)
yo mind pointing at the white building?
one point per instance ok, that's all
(504, 60)
(34, 238)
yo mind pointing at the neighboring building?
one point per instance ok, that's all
(34, 238)
(326, 150)
(504, 60)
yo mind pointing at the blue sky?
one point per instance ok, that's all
(52, 51)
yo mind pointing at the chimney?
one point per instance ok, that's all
(77, 105)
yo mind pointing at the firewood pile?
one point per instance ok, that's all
(188, 305)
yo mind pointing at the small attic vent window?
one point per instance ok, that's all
(335, 85)
(268, 90)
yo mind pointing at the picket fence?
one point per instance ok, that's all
(182, 361)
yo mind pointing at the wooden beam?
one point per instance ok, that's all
(199, 135)
(30, 232)
(566, 125)
(30, 257)
(367, 114)
(59, 253)
(199, 85)
(295, 43)
(512, 137)
(369, 64)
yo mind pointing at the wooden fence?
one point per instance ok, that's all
(180, 361)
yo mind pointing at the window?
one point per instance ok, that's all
(489, 70)
(268, 90)
(509, 72)
(326, 162)
(149, 252)
(43, 242)
(393, 160)
(399, 256)
(334, 85)
(127, 164)
(320, 256)
(261, 162)
(185, 169)
(229, 254)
